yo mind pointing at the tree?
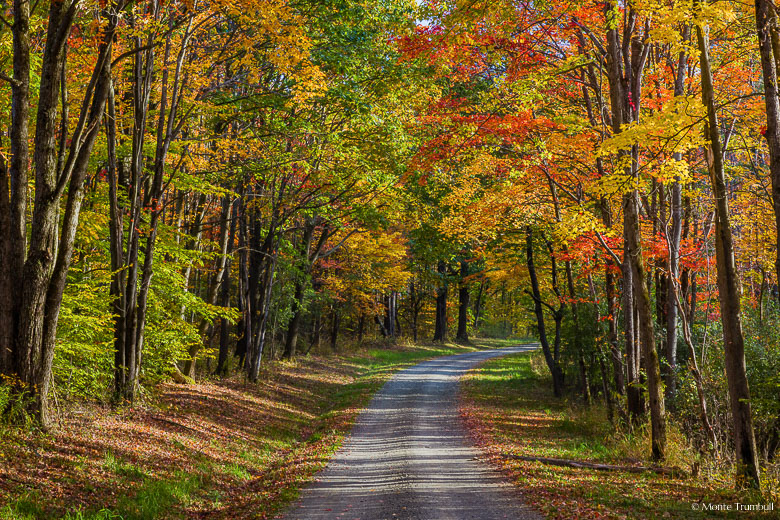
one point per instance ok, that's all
(728, 283)
(39, 266)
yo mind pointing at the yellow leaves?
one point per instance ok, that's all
(279, 32)
(576, 224)
(672, 170)
(614, 184)
(371, 261)
(674, 128)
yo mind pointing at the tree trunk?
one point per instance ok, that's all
(769, 50)
(390, 329)
(551, 357)
(633, 388)
(478, 304)
(625, 86)
(646, 332)
(291, 338)
(673, 237)
(464, 296)
(334, 331)
(728, 282)
(361, 327)
(316, 330)
(440, 332)
(34, 273)
(224, 330)
(214, 289)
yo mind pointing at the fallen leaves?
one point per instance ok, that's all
(509, 411)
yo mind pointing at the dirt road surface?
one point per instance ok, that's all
(408, 457)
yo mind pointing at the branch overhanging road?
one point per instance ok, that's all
(409, 458)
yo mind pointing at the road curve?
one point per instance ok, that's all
(408, 457)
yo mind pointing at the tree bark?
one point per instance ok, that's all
(214, 289)
(478, 304)
(440, 332)
(728, 283)
(550, 356)
(769, 50)
(673, 238)
(334, 331)
(625, 85)
(464, 296)
(34, 273)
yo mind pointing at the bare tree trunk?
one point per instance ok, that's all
(34, 273)
(361, 327)
(334, 331)
(291, 338)
(13, 190)
(316, 330)
(440, 332)
(550, 356)
(646, 333)
(221, 268)
(728, 283)
(769, 50)
(673, 237)
(625, 85)
(415, 300)
(478, 304)
(463, 303)
(224, 330)
(144, 193)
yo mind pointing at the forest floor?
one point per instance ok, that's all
(218, 449)
(510, 411)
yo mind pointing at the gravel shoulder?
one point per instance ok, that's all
(408, 456)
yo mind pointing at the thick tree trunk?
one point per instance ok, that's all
(728, 284)
(13, 190)
(34, 274)
(769, 50)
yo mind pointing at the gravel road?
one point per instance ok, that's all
(409, 458)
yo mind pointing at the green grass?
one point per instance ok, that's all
(103, 514)
(509, 400)
(236, 471)
(121, 468)
(26, 507)
(306, 407)
(157, 498)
